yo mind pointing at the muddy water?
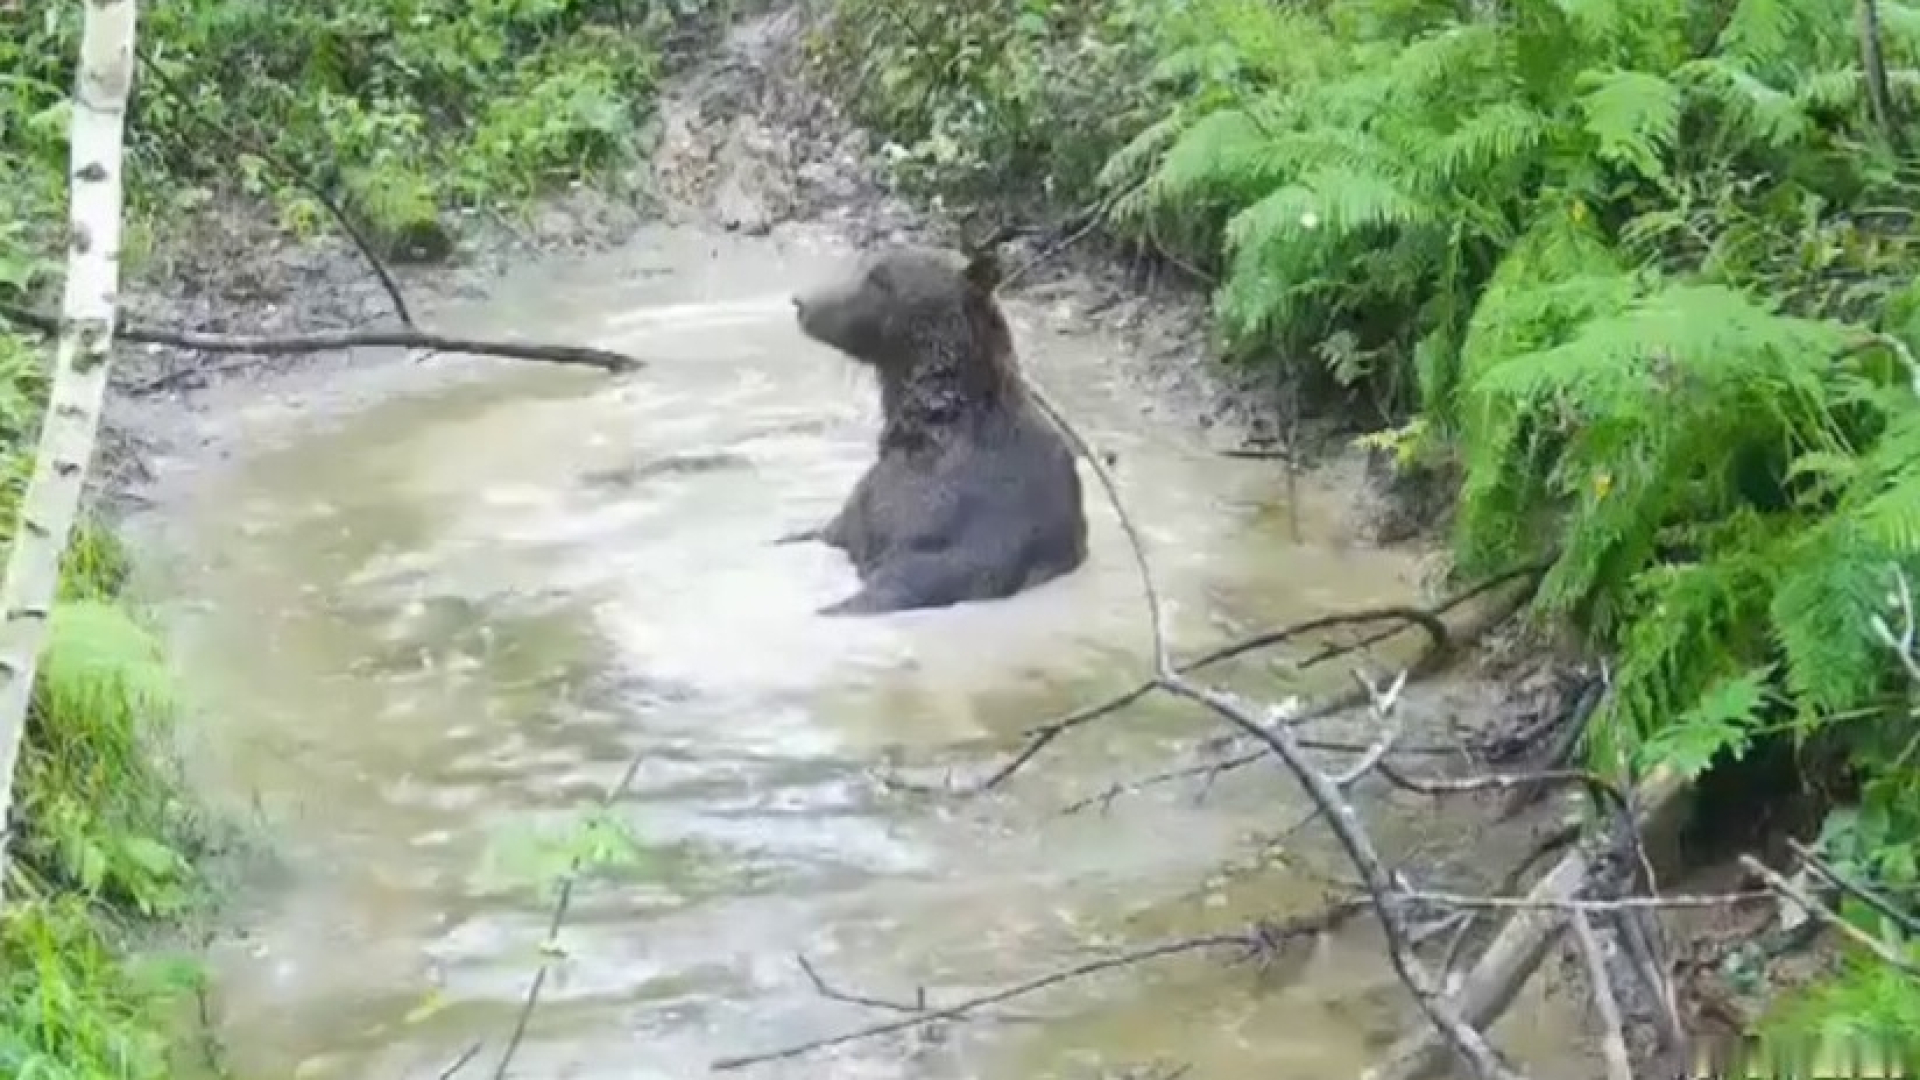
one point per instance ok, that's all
(438, 609)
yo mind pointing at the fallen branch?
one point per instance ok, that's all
(974, 1004)
(1039, 738)
(1490, 986)
(1571, 905)
(1827, 915)
(338, 339)
(1447, 1022)
(1905, 920)
(1613, 1042)
(918, 1006)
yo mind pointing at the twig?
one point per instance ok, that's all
(919, 1005)
(1093, 216)
(453, 1067)
(973, 1004)
(1827, 915)
(1570, 904)
(1467, 785)
(1345, 823)
(299, 179)
(1258, 453)
(1039, 738)
(1613, 1044)
(1150, 593)
(1217, 767)
(338, 339)
(560, 907)
(1901, 918)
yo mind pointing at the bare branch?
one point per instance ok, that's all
(1570, 904)
(1613, 1043)
(1359, 848)
(338, 339)
(280, 165)
(974, 1004)
(551, 946)
(1901, 918)
(918, 1006)
(1489, 987)
(1827, 915)
(453, 1067)
(1039, 738)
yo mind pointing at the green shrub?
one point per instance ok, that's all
(403, 109)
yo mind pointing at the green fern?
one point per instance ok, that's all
(1633, 116)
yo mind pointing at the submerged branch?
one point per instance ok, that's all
(1255, 942)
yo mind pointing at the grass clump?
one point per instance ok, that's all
(105, 852)
(1640, 272)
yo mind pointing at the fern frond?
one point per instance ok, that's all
(1722, 721)
(1832, 90)
(1492, 140)
(1221, 154)
(1132, 162)
(1833, 585)
(1761, 32)
(1683, 643)
(1633, 117)
(1430, 67)
(1764, 115)
(1334, 201)
(1709, 334)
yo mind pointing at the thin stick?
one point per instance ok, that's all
(281, 166)
(963, 1008)
(560, 908)
(1827, 915)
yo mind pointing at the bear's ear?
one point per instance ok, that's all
(983, 270)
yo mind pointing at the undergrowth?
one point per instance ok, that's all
(1641, 272)
(403, 111)
(105, 844)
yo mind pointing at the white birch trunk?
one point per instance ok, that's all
(102, 87)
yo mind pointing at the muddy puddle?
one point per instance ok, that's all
(434, 611)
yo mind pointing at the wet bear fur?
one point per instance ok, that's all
(974, 495)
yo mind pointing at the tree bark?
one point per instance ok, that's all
(71, 424)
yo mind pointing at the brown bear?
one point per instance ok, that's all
(975, 494)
